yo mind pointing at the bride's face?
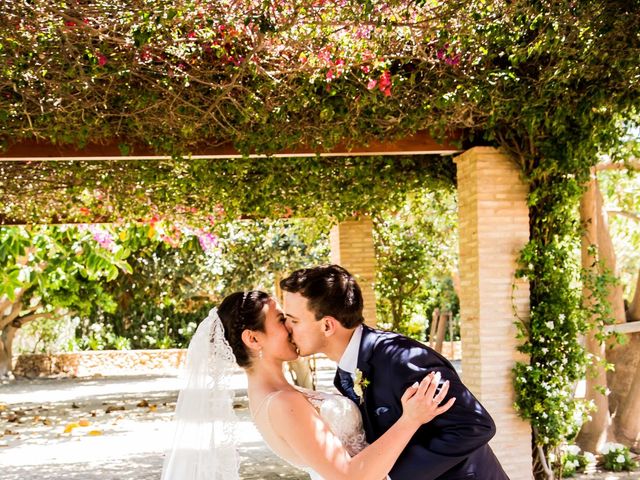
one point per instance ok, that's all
(276, 340)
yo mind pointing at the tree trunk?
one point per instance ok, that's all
(619, 380)
(302, 373)
(9, 326)
(6, 347)
(433, 327)
(633, 312)
(439, 331)
(593, 433)
(623, 403)
(607, 253)
(627, 421)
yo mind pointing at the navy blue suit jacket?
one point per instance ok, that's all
(453, 445)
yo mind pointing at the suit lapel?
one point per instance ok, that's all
(365, 354)
(367, 342)
(338, 384)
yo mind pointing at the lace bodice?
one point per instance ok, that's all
(340, 414)
(343, 418)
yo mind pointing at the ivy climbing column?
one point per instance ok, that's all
(494, 226)
(352, 248)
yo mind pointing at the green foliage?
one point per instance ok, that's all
(178, 273)
(59, 268)
(416, 251)
(200, 192)
(617, 458)
(572, 460)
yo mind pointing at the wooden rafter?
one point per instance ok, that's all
(418, 144)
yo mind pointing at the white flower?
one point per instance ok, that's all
(561, 317)
(620, 458)
(550, 325)
(572, 449)
(611, 447)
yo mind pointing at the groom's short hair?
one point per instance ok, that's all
(330, 291)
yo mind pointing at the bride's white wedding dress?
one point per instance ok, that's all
(339, 413)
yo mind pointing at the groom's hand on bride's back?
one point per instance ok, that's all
(421, 401)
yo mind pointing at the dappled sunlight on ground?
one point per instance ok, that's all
(116, 428)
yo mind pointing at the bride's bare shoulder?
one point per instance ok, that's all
(287, 402)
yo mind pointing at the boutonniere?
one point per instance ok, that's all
(359, 384)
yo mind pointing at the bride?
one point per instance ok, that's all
(320, 433)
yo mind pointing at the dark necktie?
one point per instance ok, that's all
(346, 382)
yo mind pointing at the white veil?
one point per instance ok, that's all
(204, 444)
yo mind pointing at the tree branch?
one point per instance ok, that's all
(15, 311)
(623, 213)
(632, 164)
(30, 318)
(4, 304)
(633, 312)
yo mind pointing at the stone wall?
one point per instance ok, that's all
(105, 362)
(122, 362)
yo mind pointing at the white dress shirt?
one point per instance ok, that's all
(349, 360)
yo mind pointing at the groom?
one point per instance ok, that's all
(323, 306)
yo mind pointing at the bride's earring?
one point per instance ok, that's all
(260, 354)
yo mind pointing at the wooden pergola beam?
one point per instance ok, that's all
(420, 143)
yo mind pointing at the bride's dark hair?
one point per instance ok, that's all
(240, 311)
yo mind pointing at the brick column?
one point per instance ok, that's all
(494, 226)
(352, 248)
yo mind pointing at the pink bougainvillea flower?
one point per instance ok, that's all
(330, 75)
(208, 241)
(453, 61)
(325, 55)
(191, 35)
(372, 84)
(102, 237)
(102, 60)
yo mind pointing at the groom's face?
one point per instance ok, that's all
(306, 332)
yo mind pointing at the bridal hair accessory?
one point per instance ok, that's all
(204, 445)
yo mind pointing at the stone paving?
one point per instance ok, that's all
(133, 418)
(130, 418)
